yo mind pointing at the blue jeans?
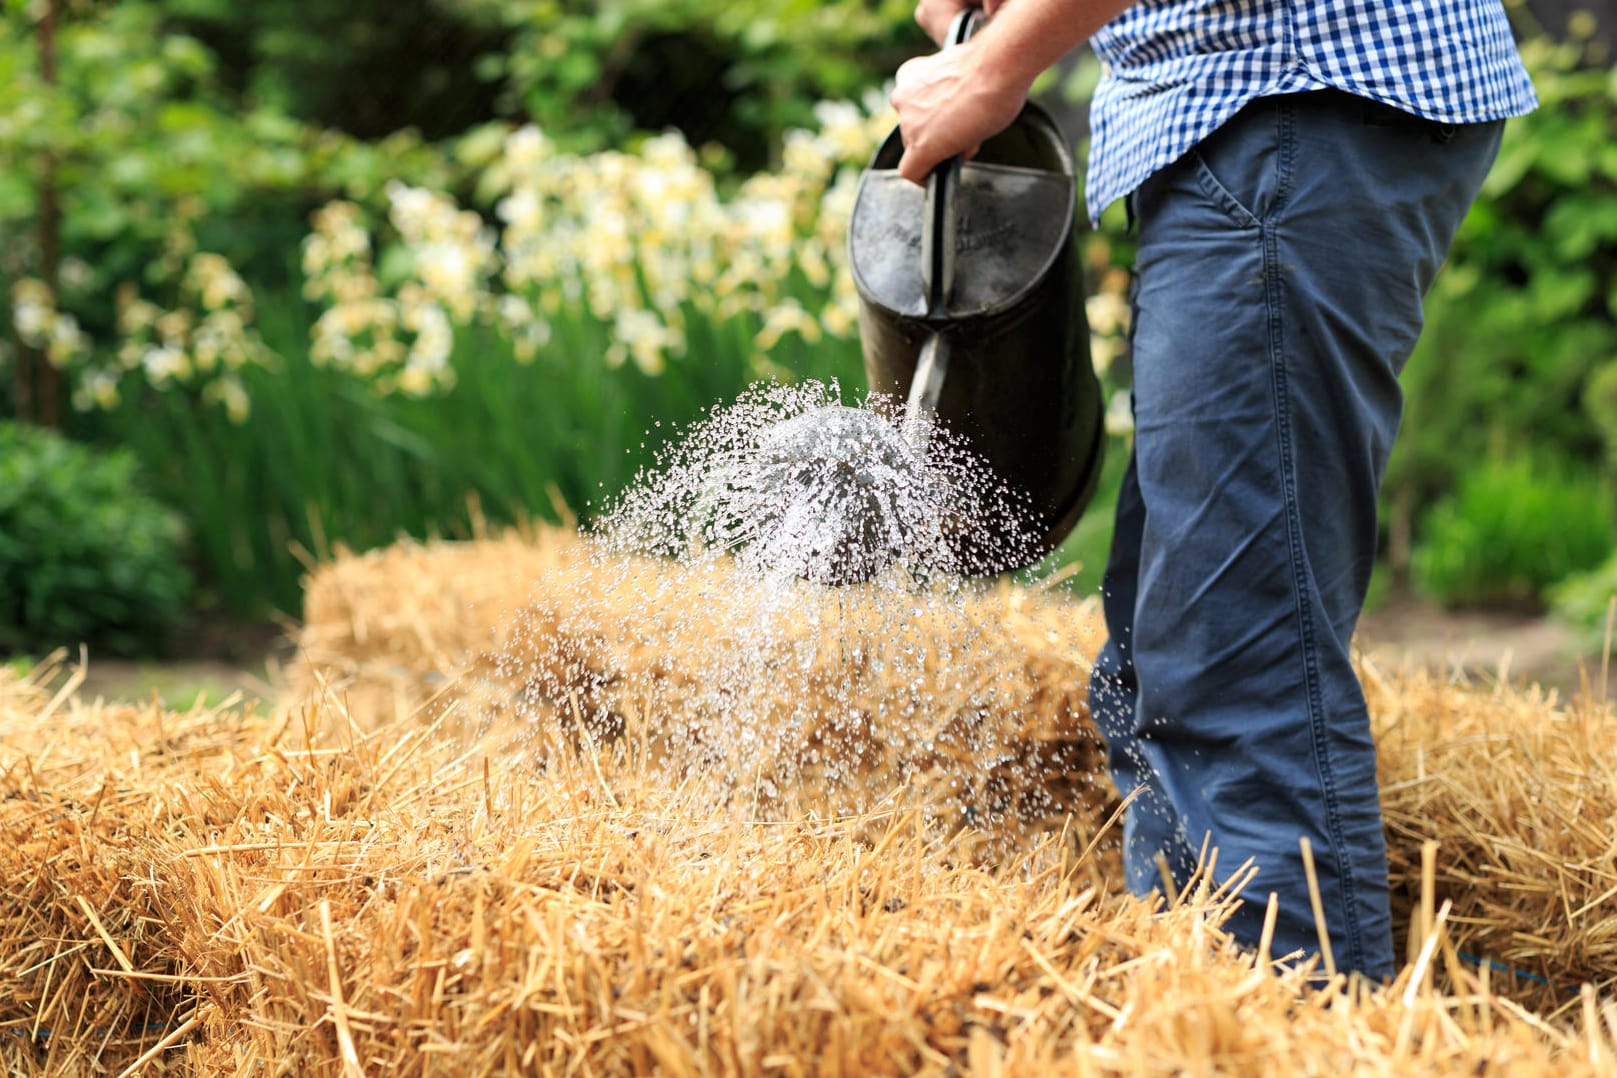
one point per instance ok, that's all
(1279, 280)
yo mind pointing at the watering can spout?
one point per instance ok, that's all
(1020, 389)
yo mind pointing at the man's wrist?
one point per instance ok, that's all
(999, 70)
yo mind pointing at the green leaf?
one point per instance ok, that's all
(1515, 158)
(1557, 294)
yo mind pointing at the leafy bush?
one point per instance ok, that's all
(151, 153)
(85, 555)
(1521, 329)
(367, 67)
(738, 74)
(1584, 601)
(1510, 530)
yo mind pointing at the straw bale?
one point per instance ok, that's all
(1517, 788)
(973, 703)
(294, 893)
(1519, 791)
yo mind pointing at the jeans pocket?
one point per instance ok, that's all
(1242, 167)
(1220, 195)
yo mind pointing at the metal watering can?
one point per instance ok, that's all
(971, 303)
(972, 310)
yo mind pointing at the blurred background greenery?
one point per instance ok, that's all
(294, 277)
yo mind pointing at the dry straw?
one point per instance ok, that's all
(1518, 792)
(975, 699)
(321, 891)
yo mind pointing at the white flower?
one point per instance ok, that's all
(416, 381)
(76, 274)
(97, 388)
(526, 148)
(845, 131)
(164, 363)
(1119, 414)
(804, 154)
(211, 277)
(33, 311)
(229, 392)
(67, 341)
(1108, 313)
(1103, 352)
(645, 339)
(316, 254)
(137, 316)
(522, 209)
(785, 317)
(411, 208)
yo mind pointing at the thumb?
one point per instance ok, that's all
(914, 165)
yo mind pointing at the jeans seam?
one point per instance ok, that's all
(1274, 300)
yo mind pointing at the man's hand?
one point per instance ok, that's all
(936, 16)
(948, 104)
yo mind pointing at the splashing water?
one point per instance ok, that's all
(702, 620)
(796, 484)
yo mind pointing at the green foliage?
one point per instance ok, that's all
(737, 74)
(85, 555)
(151, 152)
(1511, 529)
(1521, 333)
(325, 459)
(1585, 601)
(1600, 402)
(367, 67)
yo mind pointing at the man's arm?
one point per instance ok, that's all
(936, 16)
(951, 101)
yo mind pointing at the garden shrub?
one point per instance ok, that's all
(1511, 529)
(85, 555)
(1584, 601)
(1522, 321)
(742, 73)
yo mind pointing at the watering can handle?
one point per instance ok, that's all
(938, 224)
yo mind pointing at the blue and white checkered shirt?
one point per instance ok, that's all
(1177, 69)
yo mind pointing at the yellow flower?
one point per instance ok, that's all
(232, 395)
(66, 341)
(1103, 350)
(33, 311)
(415, 382)
(788, 316)
(526, 148)
(174, 326)
(805, 155)
(1108, 313)
(165, 363)
(837, 321)
(97, 388)
(1119, 414)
